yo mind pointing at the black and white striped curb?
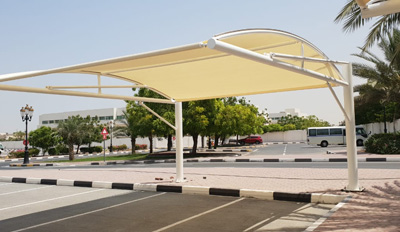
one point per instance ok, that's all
(199, 190)
(66, 156)
(271, 143)
(260, 160)
(32, 165)
(225, 150)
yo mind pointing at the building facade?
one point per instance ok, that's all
(274, 117)
(104, 115)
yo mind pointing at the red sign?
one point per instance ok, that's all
(25, 142)
(104, 132)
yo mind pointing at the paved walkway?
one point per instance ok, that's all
(376, 209)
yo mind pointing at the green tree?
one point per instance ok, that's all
(195, 121)
(301, 123)
(130, 125)
(158, 127)
(351, 15)
(74, 131)
(44, 138)
(19, 135)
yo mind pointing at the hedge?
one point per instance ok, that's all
(21, 153)
(140, 146)
(383, 143)
(58, 150)
(118, 148)
(97, 149)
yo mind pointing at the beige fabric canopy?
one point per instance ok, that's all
(195, 72)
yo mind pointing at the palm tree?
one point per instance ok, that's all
(71, 131)
(351, 15)
(383, 79)
(128, 129)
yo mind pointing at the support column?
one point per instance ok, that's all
(352, 163)
(179, 142)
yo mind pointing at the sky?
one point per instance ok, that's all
(45, 34)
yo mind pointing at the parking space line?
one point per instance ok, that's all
(52, 199)
(199, 215)
(284, 150)
(254, 226)
(25, 190)
(83, 214)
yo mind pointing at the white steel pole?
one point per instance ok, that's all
(179, 142)
(352, 165)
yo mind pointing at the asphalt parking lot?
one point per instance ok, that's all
(31, 207)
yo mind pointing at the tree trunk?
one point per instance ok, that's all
(223, 140)
(209, 142)
(71, 151)
(394, 118)
(216, 141)
(202, 141)
(77, 149)
(169, 143)
(133, 144)
(237, 140)
(151, 142)
(194, 148)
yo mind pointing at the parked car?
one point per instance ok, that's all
(251, 139)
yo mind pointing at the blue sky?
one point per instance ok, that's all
(43, 34)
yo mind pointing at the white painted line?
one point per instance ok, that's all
(254, 226)
(52, 199)
(284, 150)
(199, 215)
(26, 190)
(326, 216)
(83, 214)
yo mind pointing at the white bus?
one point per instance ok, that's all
(336, 135)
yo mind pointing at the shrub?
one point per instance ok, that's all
(97, 149)
(18, 154)
(33, 151)
(118, 148)
(140, 146)
(383, 143)
(52, 151)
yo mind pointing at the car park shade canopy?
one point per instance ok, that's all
(197, 71)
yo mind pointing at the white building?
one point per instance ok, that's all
(104, 115)
(274, 117)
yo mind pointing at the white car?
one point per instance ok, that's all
(2, 151)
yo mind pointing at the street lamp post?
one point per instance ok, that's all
(111, 123)
(26, 115)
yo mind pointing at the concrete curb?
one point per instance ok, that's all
(65, 156)
(200, 190)
(32, 165)
(276, 160)
(271, 143)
